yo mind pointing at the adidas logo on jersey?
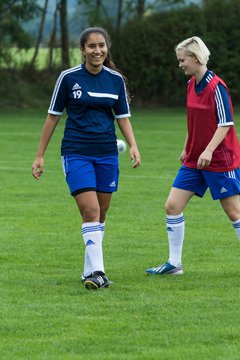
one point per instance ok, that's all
(223, 190)
(76, 87)
(113, 184)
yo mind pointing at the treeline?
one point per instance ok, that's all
(144, 50)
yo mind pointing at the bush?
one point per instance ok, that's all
(145, 52)
(26, 87)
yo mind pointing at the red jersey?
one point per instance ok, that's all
(202, 124)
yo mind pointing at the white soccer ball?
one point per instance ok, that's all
(122, 147)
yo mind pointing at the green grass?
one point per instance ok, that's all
(46, 313)
(21, 56)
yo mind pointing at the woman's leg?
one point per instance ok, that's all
(93, 208)
(177, 200)
(89, 208)
(231, 206)
(175, 204)
(104, 200)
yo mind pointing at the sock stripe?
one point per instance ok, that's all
(102, 225)
(175, 221)
(90, 229)
(236, 225)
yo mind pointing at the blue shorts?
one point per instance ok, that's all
(91, 173)
(220, 184)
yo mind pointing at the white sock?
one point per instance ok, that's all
(236, 225)
(92, 236)
(87, 264)
(175, 228)
(102, 225)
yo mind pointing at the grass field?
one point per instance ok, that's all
(46, 313)
(20, 57)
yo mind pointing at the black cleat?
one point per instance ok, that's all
(98, 280)
(83, 278)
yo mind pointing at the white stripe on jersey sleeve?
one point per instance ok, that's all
(221, 113)
(57, 85)
(114, 72)
(220, 107)
(122, 116)
(125, 90)
(54, 112)
(209, 78)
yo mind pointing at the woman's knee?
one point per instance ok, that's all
(231, 206)
(171, 208)
(177, 200)
(232, 213)
(103, 213)
(88, 206)
(90, 214)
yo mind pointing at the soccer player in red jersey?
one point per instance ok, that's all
(211, 152)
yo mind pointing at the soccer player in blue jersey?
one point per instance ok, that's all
(94, 94)
(211, 153)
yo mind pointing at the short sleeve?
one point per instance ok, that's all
(223, 107)
(59, 96)
(121, 108)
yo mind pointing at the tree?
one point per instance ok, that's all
(12, 14)
(96, 11)
(39, 38)
(140, 8)
(149, 62)
(53, 36)
(64, 33)
(119, 15)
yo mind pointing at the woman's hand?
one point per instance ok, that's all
(135, 156)
(37, 167)
(127, 131)
(206, 156)
(48, 129)
(182, 157)
(204, 159)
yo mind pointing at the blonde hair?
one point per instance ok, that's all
(194, 46)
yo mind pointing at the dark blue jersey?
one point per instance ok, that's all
(92, 103)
